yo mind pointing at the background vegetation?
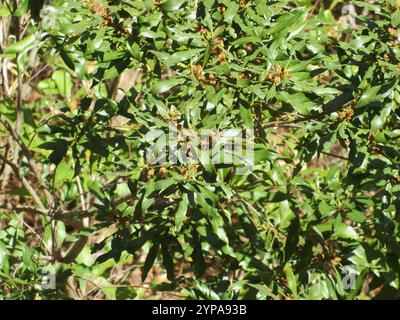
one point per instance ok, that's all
(82, 82)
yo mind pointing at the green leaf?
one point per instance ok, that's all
(168, 261)
(370, 95)
(291, 279)
(231, 11)
(63, 82)
(22, 45)
(181, 212)
(396, 18)
(59, 147)
(5, 10)
(165, 85)
(172, 5)
(151, 257)
(246, 116)
(22, 8)
(345, 231)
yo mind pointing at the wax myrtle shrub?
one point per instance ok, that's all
(315, 216)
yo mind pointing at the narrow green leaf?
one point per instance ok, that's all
(181, 212)
(151, 257)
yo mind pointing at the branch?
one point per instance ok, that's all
(25, 209)
(334, 155)
(33, 232)
(25, 182)
(72, 218)
(78, 246)
(334, 105)
(26, 153)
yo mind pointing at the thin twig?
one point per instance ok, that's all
(32, 230)
(25, 182)
(335, 155)
(24, 209)
(257, 212)
(26, 153)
